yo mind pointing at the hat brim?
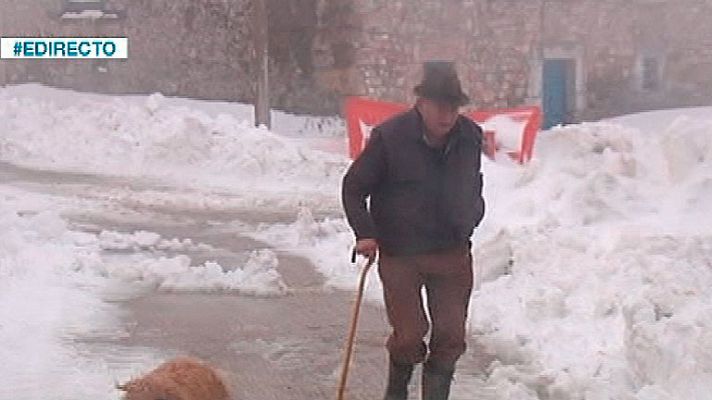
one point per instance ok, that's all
(457, 99)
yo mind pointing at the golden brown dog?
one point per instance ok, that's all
(181, 378)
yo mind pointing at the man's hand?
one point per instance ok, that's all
(367, 248)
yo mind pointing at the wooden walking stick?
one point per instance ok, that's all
(352, 330)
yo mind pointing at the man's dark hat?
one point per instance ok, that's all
(440, 83)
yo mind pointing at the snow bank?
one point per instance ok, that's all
(43, 307)
(150, 137)
(54, 287)
(326, 243)
(283, 123)
(508, 133)
(176, 274)
(596, 265)
(149, 261)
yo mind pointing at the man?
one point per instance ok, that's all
(421, 170)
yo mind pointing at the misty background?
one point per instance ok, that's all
(579, 59)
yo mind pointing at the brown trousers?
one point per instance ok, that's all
(447, 278)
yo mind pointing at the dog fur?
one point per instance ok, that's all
(182, 378)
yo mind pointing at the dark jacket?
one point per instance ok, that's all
(421, 199)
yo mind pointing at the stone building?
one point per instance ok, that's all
(580, 59)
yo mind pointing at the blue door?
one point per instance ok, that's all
(557, 80)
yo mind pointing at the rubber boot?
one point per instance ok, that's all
(398, 379)
(436, 382)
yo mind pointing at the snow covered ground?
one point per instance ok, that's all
(175, 141)
(597, 264)
(46, 299)
(58, 285)
(594, 261)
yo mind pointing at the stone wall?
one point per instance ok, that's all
(191, 48)
(323, 49)
(499, 46)
(168, 50)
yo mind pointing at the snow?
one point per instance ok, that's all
(594, 260)
(58, 285)
(597, 261)
(508, 132)
(176, 274)
(44, 306)
(652, 121)
(150, 137)
(326, 243)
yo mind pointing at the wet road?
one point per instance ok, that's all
(285, 347)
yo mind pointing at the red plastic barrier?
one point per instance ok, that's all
(361, 111)
(490, 145)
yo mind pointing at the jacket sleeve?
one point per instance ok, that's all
(479, 202)
(362, 178)
(479, 199)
